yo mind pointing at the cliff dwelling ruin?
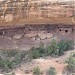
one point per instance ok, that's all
(26, 23)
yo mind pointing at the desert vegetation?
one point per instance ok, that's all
(54, 49)
(10, 59)
(51, 71)
(70, 69)
(36, 71)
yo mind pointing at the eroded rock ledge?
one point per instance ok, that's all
(31, 35)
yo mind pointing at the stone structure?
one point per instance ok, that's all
(47, 32)
(31, 21)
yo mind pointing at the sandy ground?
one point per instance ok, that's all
(45, 64)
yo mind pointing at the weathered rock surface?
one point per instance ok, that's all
(38, 38)
(17, 36)
(8, 17)
(31, 34)
(44, 35)
(49, 35)
(34, 35)
(33, 38)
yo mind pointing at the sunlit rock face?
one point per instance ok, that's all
(35, 9)
(8, 17)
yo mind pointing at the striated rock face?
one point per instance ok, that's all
(36, 11)
(8, 17)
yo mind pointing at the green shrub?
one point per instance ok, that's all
(41, 48)
(35, 54)
(6, 65)
(36, 71)
(9, 53)
(62, 47)
(17, 59)
(65, 45)
(10, 59)
(71, 63)
(51, 71)
(53, 49)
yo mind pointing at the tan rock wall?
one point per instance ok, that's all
(8, 17)
(35, 11)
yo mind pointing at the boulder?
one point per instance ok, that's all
(31, 34)
(42, 36)
(17, 36)
(49, 35)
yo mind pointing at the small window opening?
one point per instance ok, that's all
(60, 29)
(66, 31)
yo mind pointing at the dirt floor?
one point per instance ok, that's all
(7, 42)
